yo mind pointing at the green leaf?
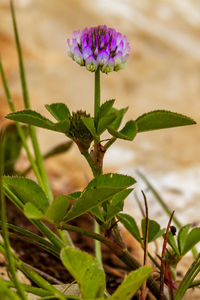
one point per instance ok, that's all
(131, 283)
(99, 190)
(27, 190)
(160, 119)
(33, 118)
(116, 182)
(104, 122)
(130, 224)
(32, 212)
(89, 123)
(57, 210)
(74, 196)
(59, 111)
(105, 108)
(86, 270)
(105, 116)
(127, 133)
(119, 113)
(192, 239)
(172, 242)
(98, 213)
(182, 237)
(154, 230)
(13, 146)
(117, 204)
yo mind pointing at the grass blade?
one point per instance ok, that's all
(188, 279)
(9, 255)
(36, 148)
(19, 127)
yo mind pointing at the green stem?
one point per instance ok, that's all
(143, 289)
(54, 239)
(34, 276)
(95, 170)
(195, 283)
(188, 279)
(19, 127)
(23, 232)
(36, 148)
(98, 245)
(66, 238)
(30, 289)
(109, 143)
(122, 254)
(39, 280)
(40, 163)
(9, 256)
(90, 161)
(97, 96)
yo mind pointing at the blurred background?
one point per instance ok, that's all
(163, 72)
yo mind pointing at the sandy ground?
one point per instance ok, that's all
(162, 72)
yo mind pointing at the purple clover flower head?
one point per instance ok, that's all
(99, 47)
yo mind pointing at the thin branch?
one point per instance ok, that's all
(162, 271)
(143, 291)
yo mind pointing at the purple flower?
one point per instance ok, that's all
(99, 47)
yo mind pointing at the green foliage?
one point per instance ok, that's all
(79, 132)
(192, 239)
(6, 293)
(182, 237)
(103, 197)
(130, 224)
(99, 190)
(160, 119)
(57, 210)
(13, 146)
(32, 212)
(119, 116)
(89, 123)
(127, 133)
(117, 204)
(131, 283)
(28, 192)
(59, 111)
(172, 242)
(98, 213)
(105, 108)
(86, 270)
(33, 118)
(104, 122)
(105, 116)
(154, 230)
(185, 240)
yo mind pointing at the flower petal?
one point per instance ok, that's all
(91, 64)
